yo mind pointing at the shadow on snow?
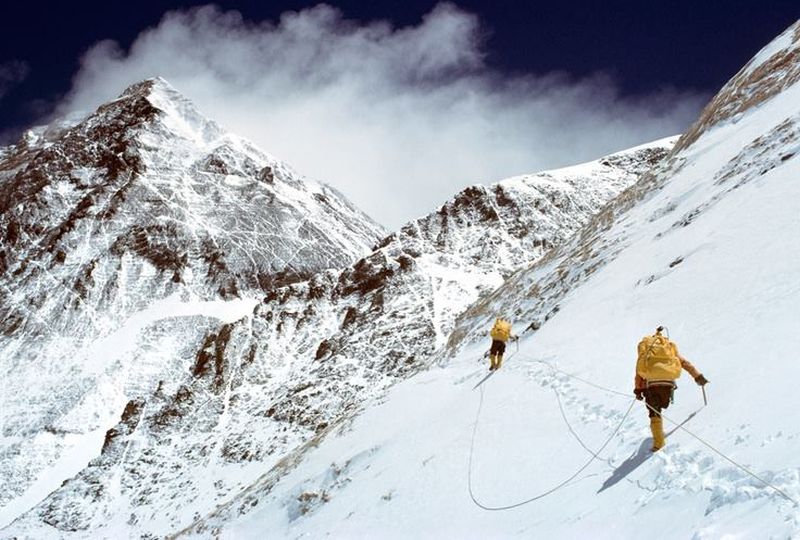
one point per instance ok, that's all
(638, 457)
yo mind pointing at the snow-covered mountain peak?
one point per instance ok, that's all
(125, 237)
(153, 86)
(496, 228)
(180, 113)
(170, 129)
(176, 111)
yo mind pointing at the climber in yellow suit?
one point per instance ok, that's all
(658, 365)
(500, 334)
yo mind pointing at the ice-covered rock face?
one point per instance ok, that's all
(124, 237)
(257, 393)
(496, 228)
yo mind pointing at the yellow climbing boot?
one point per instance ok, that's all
(499, 361)
(657, 428)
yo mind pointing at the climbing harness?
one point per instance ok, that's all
(596, 455)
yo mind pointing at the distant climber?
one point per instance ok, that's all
(658, 365)
(500, 334)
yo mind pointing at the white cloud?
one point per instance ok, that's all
(399, 119)
(12, 73)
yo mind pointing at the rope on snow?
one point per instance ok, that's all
(595, 455)
(549, 491)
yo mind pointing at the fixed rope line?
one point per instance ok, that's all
(595, 455)
(551, 490)
(584, 381)
(708, 445)
(682, 427)
(729, 460)
(570, 428)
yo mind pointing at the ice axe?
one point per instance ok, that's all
(705, 399)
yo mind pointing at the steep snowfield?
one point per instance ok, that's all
(708, 245)
(256, 392)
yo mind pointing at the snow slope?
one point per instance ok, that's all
(256, 392)
(706, 244)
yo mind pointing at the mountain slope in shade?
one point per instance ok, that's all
(125, 237)
(706, 244)
(259, 392)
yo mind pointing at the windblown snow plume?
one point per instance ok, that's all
(398, 119)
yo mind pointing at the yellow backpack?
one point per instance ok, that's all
(658, 359)
(501, 330)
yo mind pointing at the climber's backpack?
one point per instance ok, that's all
(501, 330)
(658, 359)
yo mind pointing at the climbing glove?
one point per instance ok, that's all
(701, 380)
(639, 393)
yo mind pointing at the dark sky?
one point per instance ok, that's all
(645, 45)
